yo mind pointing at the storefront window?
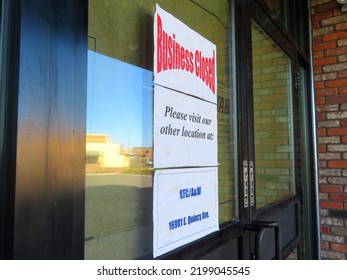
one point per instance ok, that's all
(119, 140)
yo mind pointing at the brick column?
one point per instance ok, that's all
(329, 46)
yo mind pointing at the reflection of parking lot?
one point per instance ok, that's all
(118, 215)
(139, 181)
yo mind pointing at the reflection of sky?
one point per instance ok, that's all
(120, 101)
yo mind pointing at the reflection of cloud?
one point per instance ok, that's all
(120, 99)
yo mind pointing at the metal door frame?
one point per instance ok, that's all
(258, 10)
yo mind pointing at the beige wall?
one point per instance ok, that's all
(109, 155)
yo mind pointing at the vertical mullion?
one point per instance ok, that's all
(9, 61)
(244, 80)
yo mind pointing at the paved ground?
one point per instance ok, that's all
(118, 216)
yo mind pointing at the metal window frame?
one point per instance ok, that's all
(9, 72)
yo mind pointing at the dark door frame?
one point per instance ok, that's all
(9, 65)
(42, 124)
(246, 10)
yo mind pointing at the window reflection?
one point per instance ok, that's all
(275, 6)
(119, 120)
(118, 159)
(281, 10)
(119, 91)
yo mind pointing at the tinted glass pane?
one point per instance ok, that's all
(280, 10)
(273, 120)
(119, 148)
(294, 16)
(275, 6)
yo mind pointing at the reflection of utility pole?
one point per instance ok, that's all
(128, 141)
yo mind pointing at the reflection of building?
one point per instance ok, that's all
(102, 154)
(144, 154)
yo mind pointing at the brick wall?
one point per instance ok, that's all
(329, 45)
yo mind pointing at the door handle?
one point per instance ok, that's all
(259, 227)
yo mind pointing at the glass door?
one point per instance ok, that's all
(273, 120)
(274, 140)
(271, 137)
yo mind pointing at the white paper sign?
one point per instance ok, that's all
(183, 59)
(185, 200)
(185, 130)
(186, 206)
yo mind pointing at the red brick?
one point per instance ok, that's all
(317, 40)
(325, 229)
(342, 74)
(324, 46)
(325, 61)
(343, 90)
(320, 100)
(318, 85)
(337, 12)
(331, 188)
(338, 197)
(337, 131)
(334, 36)
(320, 116)
(331, 205)
(344, 122)
(317, 70)
(321, 132)
(336, 99)
(337, 164)
(324, 245)
(336, 83)
(327, 6)
(322, 15)
(326, 91)
(336, 51)
(322, 148)
(319, 54)
(339, 247)
(344, 139)
(315, 25)
(341, 26)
